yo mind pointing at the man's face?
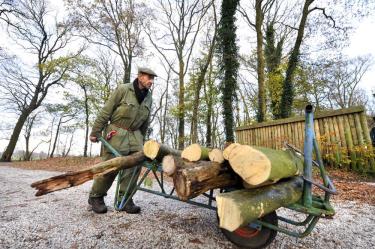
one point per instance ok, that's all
(145, 81)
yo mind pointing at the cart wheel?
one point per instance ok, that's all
(253, 236)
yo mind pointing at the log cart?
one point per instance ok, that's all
(245, 190)
(256, 207)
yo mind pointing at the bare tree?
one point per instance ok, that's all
(30, 122)
(25, 90)
(64, 118)
(203, 66)
(343, 79)
(261, 8)
(178, 29)
(115, 25)
(68, 141)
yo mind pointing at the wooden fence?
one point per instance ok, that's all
(343, 136)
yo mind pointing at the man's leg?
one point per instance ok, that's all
(124, 185)
(126, 177)
(99, 189)
(102, 184)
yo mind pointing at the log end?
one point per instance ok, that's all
(229, 215)
(216, 155)
(151, 149)
(179, 182)
(169, 165)
(228, 150)
(252, 165)
(192, 152)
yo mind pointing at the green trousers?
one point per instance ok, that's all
(103, 183)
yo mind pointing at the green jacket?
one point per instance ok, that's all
(127, 117)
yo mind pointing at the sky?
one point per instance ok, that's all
(361, 42)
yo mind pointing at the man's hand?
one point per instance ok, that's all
(93, 139)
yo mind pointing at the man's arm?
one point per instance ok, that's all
(106, 113)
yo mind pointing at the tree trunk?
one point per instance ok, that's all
(50, 139)
(56, 137)
(208, 97)
(288, 88)
(27, 151)
(70, 146)
(229, 60)
(7, 154)
(194, 116)
(239, 208)
(72, 179)
(181, 106)
(257, 165)
(86, 122)
(164, 115)
(192, 179)
(260, 62)
(128, 69)
(154, 150)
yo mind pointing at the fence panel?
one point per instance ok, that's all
(343, 137)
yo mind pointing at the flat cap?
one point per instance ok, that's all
(146, 71)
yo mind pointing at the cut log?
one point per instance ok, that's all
(193, 179)
(240, 207)
(154, 150)
(216, 155)
(258, 165)
(171, 164)
(168, 165)
(72, 179)
(229, 149)
(195, 152)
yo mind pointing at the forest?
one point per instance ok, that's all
(220, 65)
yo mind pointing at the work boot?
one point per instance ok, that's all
(98, 205)
(131, 208)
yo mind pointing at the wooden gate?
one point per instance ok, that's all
(343, 136)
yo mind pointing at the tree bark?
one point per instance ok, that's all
(228, 52)
(50, 139)
(260, 62)
(56, 137)
(257, 165)
(181, 107)
(239, 208)
(87, 113)
(209, 103)
(194, 178)
(200, 82)
(288, 88)
(72, 179)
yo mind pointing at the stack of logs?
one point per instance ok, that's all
(255, 171)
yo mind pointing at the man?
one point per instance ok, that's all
(127, 111)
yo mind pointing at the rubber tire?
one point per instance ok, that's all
(263, 238)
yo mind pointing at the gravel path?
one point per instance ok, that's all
(62, 220)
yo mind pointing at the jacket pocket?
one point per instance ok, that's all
(141, 118)
(127, 110)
